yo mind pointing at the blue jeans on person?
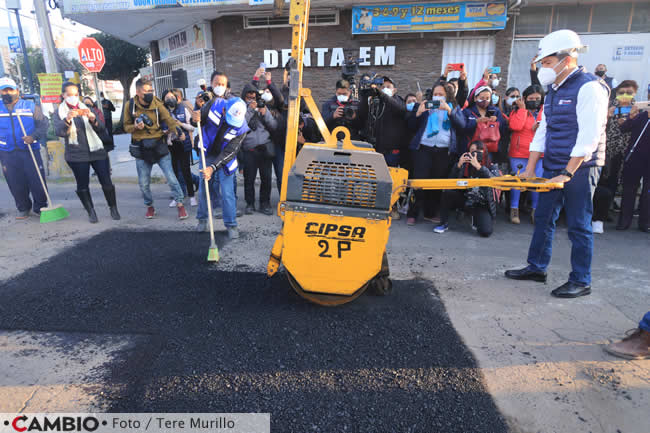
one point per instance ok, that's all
(645, 322)
(22, 179)
(228, 199)
(144, 178)
(215, 196)
(576, 199)
(515, 194)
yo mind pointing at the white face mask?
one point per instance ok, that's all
(547, 76)
(438, 98)
(267, 97)
(495, 84)
(510, 100)
(72, 100)
(219, 90)
(495, 99)
(387, 91)
(342, 98)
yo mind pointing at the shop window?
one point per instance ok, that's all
(611, 17)
(575, 18)
(641, 18)
(325, 18)
(534, 20)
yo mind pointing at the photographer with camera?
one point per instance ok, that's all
(384, 109)
(480, 202)
(343, 110)
(258, 150)
(435, 122)
(143, 116)
(636, 166)
(616, 145)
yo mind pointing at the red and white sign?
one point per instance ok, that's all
(91, 55)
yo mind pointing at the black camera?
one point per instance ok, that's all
(432, 105)
(367, 81)
(143, 118)
(205, 96)
(259, 100)
(350, 111)
(479, 155)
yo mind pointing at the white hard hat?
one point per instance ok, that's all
(561, 41)
(200, 82)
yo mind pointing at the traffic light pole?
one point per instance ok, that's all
(28, 68)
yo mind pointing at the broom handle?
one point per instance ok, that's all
(207, 185)
(38, 170)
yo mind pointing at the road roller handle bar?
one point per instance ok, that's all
(500, 182)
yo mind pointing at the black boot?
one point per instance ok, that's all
(87, 201)
(109, 193)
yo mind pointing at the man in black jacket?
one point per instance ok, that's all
(341, 110)
(384, 112)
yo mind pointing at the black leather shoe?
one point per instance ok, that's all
(571, 290)
(250, 209)
(526, 274)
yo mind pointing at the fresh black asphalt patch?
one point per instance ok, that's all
(216, 341)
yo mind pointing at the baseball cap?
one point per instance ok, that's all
(235, 112)
(386, 78)
(7, 83)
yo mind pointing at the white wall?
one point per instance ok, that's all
(476, 53)
(602, 49)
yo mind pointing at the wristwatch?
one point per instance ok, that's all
(566, 173)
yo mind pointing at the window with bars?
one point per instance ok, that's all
(325, 18)
(598, 18)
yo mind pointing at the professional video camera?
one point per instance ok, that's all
(368, 80)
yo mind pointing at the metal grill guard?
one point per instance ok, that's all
(341, 178)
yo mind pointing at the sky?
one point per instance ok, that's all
(66, 35)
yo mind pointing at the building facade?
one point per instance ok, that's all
(405, 40)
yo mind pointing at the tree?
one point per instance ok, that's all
(37, 65)
(123, 61)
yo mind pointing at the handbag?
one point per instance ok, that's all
(488, 132)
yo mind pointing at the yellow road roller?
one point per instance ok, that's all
(336, 200)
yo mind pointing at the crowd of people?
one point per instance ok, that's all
(570, 126)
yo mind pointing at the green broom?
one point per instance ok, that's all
(51, 212)
(213, 252)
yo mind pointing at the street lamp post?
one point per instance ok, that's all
(28, 68)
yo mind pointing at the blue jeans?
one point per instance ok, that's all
(22, 178)
(515, 194)
(144, 178)
(228, 198)
(576, 199)
(278, 165)
(215, 196)
(645, 322)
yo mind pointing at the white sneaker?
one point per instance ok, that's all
(193, 201)
(597, 227)
(172, 203)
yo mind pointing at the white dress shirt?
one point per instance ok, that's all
(591, 110)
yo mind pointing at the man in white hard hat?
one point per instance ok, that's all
(571, 135)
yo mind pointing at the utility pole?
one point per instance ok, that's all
(15, 5)
(45, 31)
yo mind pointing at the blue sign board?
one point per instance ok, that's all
(14, 44)
(429, 17)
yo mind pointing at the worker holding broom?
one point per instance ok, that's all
(18, 165)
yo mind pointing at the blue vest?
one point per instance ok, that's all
(211, 129)
(179, 114)
(10, 132)
(562, 123)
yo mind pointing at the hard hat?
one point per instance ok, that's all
(201, 82)
(559, 41)
(7, 83)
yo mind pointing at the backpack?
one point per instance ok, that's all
(488, 133)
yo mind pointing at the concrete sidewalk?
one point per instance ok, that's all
(542, 357)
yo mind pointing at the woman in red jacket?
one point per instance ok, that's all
(523, 124)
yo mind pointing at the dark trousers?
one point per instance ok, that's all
(455, 199)
(428, 163)
(22, 178)
(181, 161)
(255, 161)
(603, 197)
(278, 166)
(81, 171)
(633, 170)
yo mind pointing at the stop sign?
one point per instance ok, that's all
(91, 55)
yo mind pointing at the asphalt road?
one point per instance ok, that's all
(212, 341)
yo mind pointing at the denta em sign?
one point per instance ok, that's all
(332, 58)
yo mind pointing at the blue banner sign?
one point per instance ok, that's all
(429, 17)
(14, 44)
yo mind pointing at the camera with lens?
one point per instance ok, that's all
(143, 118)
(432, 105)
(367, 81)
(259, 100)
(479, 155)
(205, 96)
